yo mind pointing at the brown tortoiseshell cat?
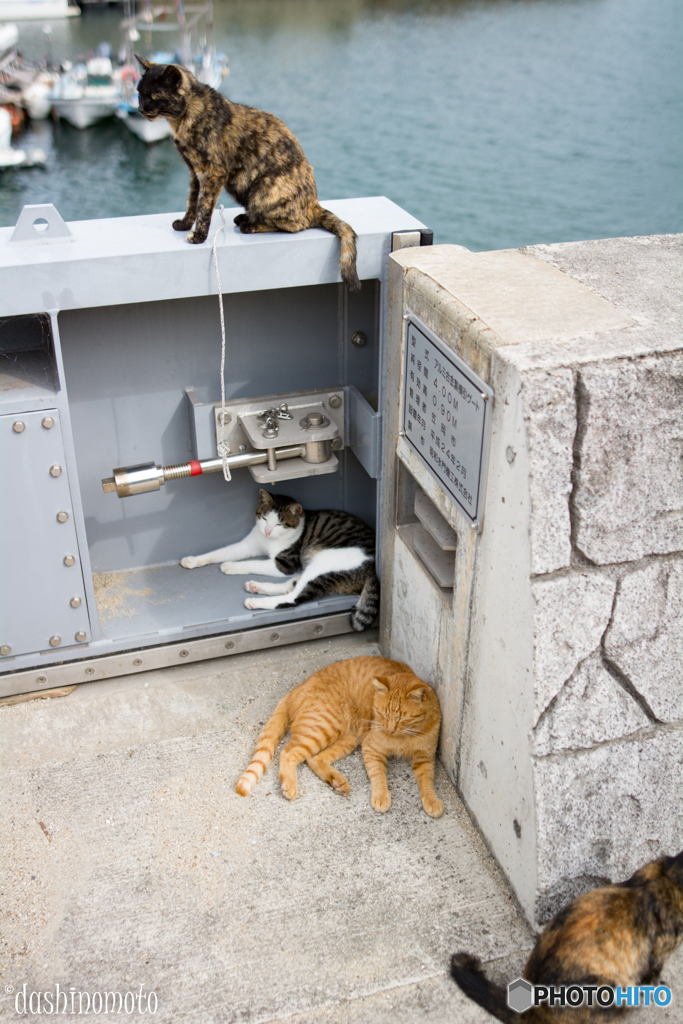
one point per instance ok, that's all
(378, 703)
(249, 152)
(617, 935)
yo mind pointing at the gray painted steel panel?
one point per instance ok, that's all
(135, 322)
(142, 259)
(37, 585)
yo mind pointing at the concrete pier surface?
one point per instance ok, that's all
(129, 861)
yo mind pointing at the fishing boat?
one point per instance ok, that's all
(87, 92)
(37, 10)
(196, 52)
(22, 83)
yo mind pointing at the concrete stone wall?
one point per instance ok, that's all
(560, 664)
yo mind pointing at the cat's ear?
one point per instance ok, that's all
(418, 694)
(380, 685)
(265, 498)
(172, 77)
(146, 65)
(296, 510)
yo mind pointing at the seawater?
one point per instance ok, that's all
(499, 123)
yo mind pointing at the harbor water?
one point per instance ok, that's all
(499, 123)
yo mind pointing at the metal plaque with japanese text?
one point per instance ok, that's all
(447, 417)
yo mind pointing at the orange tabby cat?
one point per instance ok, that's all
(378, 703)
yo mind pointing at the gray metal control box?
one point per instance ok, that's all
(110, 349)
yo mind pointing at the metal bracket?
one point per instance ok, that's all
(39, 224)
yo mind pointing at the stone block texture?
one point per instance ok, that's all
(592, 707)
(645, 637)
(550, 419)
(571, 615)
(628, 498)
(602, 813)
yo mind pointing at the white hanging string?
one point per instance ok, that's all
(223, 448)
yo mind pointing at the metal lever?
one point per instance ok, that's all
(148, 476)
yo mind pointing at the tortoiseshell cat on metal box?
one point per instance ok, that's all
(248, 152)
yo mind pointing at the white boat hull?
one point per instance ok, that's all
(84, 112)
(148, 131)
(36, 10)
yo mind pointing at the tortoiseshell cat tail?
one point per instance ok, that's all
(347, 239)
(466, 971)
(249, 153)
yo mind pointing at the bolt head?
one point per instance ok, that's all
(75, 602)
(48, 422)
(183, 654)
(335, 402)
(80, 636)
(55, 641)
(68, 559)
(62, 517)
(358, 339)
(229, 646)
(41, 680)
(90, 671)
(55, 470)
(274, 636)
(137, 661)
(18, 426)
(318, 629)
(5, 650)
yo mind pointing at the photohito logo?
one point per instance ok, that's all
(522, 995)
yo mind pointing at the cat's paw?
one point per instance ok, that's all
(340, 784)
(290, 788)
(197, 237)
(231, 568)
(246, 227)
(432, 806)
(252, 586)
(240, 219)
(190, 562)
(181, 225)
(381, 801)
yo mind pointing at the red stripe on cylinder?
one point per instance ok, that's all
(195, 468)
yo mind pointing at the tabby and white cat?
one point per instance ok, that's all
(324, 552)
(377, 703)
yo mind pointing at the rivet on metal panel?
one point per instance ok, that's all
(18, 426)
(137, 662)
(318, 629)
(55, 470)
(358, 339)
(90, 671)
(229, 646)
(335, 401)
(55, 641)
(75, 602)
(68, 559)
(274, 636)
(80, 636)
(183, 654)
(48, 422)
(5, 650)
(41, 680)
(62, 517)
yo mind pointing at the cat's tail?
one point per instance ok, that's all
(270, 736)
(365, 612)
(466, 971)
(347, 238)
